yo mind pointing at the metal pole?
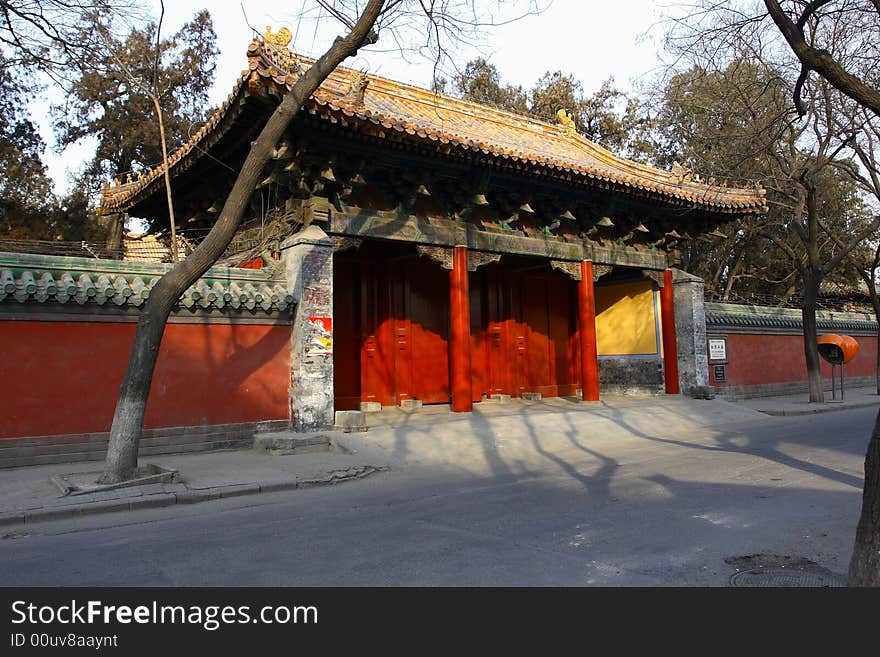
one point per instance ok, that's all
(842, 379)
(833, 383)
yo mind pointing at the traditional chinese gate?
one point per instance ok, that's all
(391, 313)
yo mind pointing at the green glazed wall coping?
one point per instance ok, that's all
(721, 316)
(31, 278)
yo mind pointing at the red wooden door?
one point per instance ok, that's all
(499, 334)
(377, 350)
(392, 330)
(479, 336)
(549, 315)
(429, 320)
(561, 313)
(503, 334)
(530, 333)
(539, 366)
(403, 355)
(346, 338)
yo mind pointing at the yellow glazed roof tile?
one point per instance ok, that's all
(415, 113)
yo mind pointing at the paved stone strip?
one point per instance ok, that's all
(192, 496)
(827, 407)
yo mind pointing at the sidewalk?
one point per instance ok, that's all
(396, 440)
(799, 404)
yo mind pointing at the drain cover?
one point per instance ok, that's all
(778, 577)
(773, 570)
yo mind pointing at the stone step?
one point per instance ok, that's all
(349, 421)
(290, 442)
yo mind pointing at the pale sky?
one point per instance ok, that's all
(592, 40)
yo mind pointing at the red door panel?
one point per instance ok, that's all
(537, 330)
(561, 328)
(479, 337)
(346, 328)
(429, 321)
(377, 351)
(403, 353)
(392, 319)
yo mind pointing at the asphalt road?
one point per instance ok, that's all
(637, 509)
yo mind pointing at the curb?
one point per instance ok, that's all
(159, 500)
(822, 409)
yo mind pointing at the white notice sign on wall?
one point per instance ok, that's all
(717, 349)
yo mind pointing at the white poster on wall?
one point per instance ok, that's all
(717, 349)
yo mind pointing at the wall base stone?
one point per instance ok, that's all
(621, 376)
(74, 448)
(733, 393)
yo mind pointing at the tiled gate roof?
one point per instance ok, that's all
(390, 109)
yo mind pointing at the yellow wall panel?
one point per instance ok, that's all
(626, 320)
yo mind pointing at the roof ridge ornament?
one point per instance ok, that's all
(565, 121)
(357, 87)
(278, 42)
(681, 173)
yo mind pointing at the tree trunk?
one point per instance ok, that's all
(731, 278)
(114, 235)
(864, 567)
(875, 304)
(811, 350)
(128, 419)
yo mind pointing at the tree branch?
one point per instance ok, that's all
(822, 62)
(785, 247)
(849, 246)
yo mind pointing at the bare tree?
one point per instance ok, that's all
(796, 157)
(813, 151)
(152, 91)
(55, 35)
(442, 20)
(854, 73)
(840, 41)
(864, 130)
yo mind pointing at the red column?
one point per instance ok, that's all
(587, 321)
(460, 332)
(670, 348)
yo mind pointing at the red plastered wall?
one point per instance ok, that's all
(64, 377)
(755, 359)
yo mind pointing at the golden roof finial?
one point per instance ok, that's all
(564, 119)
(278, 42)
(279, 39)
